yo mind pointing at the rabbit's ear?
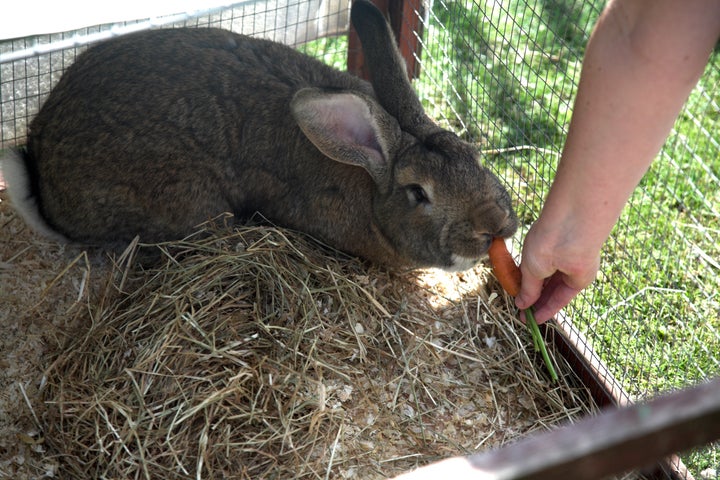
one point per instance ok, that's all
(343, 127)
(388, 71)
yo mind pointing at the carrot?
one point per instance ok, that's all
(509, 276)
(504, 268)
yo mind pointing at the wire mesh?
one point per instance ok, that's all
(503, 75)
(30, 66)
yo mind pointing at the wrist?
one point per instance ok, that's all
(576, 222)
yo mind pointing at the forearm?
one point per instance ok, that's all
(641, 63)
(640, 66)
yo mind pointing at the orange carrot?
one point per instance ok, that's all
(503, 265)
(510, 277)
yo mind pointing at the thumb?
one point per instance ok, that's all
(531, 287)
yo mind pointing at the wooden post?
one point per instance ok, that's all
(405, 19)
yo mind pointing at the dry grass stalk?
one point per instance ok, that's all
(255, 354)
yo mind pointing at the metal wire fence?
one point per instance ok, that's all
(31, 65)
(503, 75)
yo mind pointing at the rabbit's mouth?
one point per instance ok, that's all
(465, 245)
(460, 263)
(465, 252)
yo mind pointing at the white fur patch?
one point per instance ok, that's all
(460, 263)
(18, 186)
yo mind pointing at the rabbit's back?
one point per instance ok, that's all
(199, 81)
(157, 129)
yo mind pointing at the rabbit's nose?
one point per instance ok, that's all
(494, 220)
(509, 224)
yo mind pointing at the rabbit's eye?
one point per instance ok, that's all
(417, 194)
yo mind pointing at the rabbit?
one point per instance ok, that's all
(155, 132)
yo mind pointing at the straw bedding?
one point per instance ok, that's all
(258, 353)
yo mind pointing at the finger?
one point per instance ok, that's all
(530, 291)
(556, 295)
(531, 288)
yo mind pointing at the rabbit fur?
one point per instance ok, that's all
(155, 132)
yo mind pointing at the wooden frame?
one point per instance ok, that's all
(405, 19)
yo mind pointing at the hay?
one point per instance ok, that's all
(42, 287)
(259, 354)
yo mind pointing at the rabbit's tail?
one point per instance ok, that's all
(17, 168)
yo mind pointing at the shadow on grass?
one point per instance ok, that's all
(504, 93)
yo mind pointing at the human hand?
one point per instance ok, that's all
(554, 270)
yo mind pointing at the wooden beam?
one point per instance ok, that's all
(406, 22)
(605, 389)
(616, 441)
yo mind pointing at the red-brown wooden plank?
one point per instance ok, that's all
(405, 20)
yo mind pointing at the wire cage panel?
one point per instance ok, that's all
(30, 66)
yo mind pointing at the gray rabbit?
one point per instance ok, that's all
(155, 132)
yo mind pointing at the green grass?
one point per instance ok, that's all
(508, 81)
(503, 75)
(331, 50)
